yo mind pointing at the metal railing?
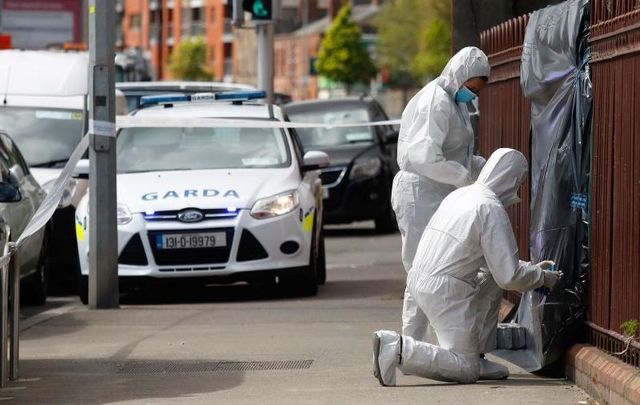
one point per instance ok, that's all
(10, 312)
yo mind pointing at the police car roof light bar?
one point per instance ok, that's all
(235, 96)
(241, 95)
(163, 99)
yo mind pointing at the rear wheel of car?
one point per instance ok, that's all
(321, 271)
(83, 288)
(35, 291)
(386, 223)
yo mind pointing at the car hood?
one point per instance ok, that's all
(204, 189)
(344, 155)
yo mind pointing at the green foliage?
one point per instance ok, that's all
(434, 51)
(188, 60)
(630, 327)
(414, 38)
(342, 56)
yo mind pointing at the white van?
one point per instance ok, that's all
(43, 108)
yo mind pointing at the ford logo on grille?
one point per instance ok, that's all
(190, 216)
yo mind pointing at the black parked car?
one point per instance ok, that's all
(357, 185)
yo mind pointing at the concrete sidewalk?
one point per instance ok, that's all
(236, 345)
(296, 351)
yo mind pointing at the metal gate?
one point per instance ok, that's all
(615, 199)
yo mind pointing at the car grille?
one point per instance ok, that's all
(250, 248)
(191, 256)
(218, 213)
(190, 269)
(332, 176)
(133, 252)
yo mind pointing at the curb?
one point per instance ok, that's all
(41, 317)
(605, 378)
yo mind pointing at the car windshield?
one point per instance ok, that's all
(46, 137)
(335, 114)
(162, 149)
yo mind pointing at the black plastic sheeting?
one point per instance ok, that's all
(555, 77)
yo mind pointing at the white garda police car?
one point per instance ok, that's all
(215, 204)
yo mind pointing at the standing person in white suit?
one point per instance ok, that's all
(435, 156)
(470, 230)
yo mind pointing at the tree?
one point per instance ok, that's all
(433, 51)
(188, 60)
(342, 56)
(414, 39)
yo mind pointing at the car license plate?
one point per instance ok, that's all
(325, 193)
(192, 240)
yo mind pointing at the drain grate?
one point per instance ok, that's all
(178, 367)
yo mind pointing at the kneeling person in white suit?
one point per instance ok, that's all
(469, 231)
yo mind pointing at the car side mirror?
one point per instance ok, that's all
(9, 192)
(82, 169)
(314, 160)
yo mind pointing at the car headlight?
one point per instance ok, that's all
(67, 194)
(124, 215)
(275, 205)
(365, 168)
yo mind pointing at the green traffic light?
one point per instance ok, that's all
(258, 9)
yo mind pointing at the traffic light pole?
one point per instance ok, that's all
(103, 238)
(264, 34)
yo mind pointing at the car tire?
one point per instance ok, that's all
(321, 270)
(307, 283)
(386, 223)
(83, 289)
(35, 291)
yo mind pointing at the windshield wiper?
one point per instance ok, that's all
(52, 163)
(153, 170)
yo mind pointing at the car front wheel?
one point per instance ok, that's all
(307, 283)
(321, 272)
(83, 289)
(386, 222)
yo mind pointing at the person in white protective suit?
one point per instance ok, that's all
(435, 156)
(469, 231)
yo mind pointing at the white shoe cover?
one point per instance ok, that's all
(386, 356)
(490, 370)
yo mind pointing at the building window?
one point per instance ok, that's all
(196, 14)
(135, 21)
(155, 16)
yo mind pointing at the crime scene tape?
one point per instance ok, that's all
(51, 201)
(133, 121)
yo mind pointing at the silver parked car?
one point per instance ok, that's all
(20, 197)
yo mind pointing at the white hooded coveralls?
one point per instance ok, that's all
(435, 156)
(470, 230)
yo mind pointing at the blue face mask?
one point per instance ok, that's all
(464, 95)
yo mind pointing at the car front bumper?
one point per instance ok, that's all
(252, 246)
(356, 200)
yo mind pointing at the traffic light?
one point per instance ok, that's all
(259, 9)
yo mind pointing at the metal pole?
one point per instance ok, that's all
(4, 321)
(103, 238)
(14, 352)
(305, 51)
(264, 33)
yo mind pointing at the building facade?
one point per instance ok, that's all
(158, 26)
(38, 24)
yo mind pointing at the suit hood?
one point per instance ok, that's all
(503, 173)
(467, 63)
